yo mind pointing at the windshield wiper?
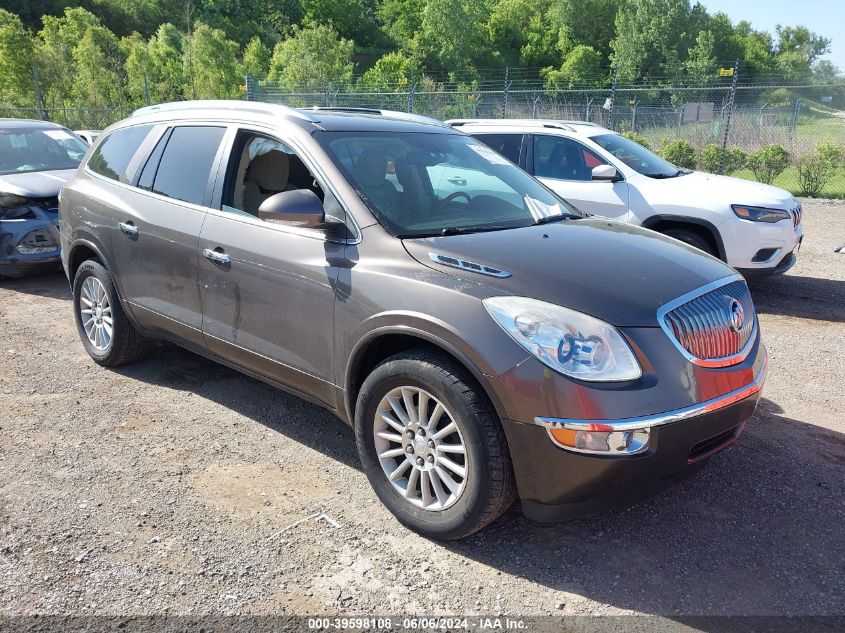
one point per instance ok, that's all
(556, 218)
(680, 172)
(459, 230)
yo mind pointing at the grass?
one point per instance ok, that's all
(789, 180)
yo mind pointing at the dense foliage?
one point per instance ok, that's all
(815, 170)
(98, 52)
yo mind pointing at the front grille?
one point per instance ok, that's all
(714, 329)
(796, 212)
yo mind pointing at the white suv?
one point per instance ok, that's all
(755, 228)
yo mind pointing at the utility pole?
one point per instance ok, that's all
(146, 90)
(250, 88)
(731, 98)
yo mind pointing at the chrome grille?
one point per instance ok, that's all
(796, 212)
(714, 328)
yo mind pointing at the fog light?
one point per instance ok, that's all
(601, 439)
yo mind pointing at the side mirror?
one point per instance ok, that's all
(605, 173)
(300, 207)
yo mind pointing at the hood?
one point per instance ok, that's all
(36, 184)
(719, 190)
(616, 272)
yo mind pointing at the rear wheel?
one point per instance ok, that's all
(693, 238)
(107, 334)
(432, 449)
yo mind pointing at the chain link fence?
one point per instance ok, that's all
(748, 117)
(73, 118)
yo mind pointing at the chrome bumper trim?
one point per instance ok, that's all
(659, 419)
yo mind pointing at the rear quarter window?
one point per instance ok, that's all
(113, 155)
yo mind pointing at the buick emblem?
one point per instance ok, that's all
(736, 315)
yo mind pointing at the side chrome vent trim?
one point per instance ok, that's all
(454, 262)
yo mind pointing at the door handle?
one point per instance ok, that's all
(457, 180)
(218, 257)
(128, 229)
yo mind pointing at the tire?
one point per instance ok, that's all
(487, 487)
(693, 238)
(124, 344)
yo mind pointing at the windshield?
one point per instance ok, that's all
(637, 157)
(34, 149)
(421, 184)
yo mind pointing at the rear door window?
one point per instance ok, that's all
(113, 155)
(186, 163)
(508, 145)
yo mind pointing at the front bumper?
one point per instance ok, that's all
(744, 241)
(16, 233)
(556, 483)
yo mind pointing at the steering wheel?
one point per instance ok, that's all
(452, 196)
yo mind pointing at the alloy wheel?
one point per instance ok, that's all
(420, 448)
(95, 313)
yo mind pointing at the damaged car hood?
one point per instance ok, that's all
(36, 184)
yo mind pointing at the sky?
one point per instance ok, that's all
(825, 17)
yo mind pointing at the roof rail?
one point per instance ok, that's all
(221, 104)
(548, 123)
(396, 114)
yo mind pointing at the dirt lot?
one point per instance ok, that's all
(162, 488)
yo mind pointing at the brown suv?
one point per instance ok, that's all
(484, 339)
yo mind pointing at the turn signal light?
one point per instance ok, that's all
(602, 440)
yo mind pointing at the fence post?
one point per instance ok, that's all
(411, 96)
(680, 117)
(587, 112)
(796, 111)
(39, 96)
(507, 87)
(250, 87)
(728, 120)
(612, 98)
(634, 114)
(146, 90)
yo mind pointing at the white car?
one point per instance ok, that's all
(755, 228)
(89, 136)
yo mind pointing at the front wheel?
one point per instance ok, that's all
(106, 332)
(693, 238)
(432, 449)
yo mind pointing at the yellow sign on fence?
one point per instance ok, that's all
(726, 72)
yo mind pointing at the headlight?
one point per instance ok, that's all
(9, 200)
(760, 214)
(569, 342)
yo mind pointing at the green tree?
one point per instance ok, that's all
(452, 34)
(99, 66)
(391, 72)
(348, 17)
(54, 53)
(212, 64)
(653, 37)
(256, 60)
(314, 56)
(701, 64)
(16, 51)
(166, 75)
(520, 33)
(582, 67)
(137, 64)
(402, 19)
(588, 22)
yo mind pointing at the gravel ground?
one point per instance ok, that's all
(164, 488)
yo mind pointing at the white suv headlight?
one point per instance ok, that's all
(570, 342)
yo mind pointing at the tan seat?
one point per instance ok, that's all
(266, 175)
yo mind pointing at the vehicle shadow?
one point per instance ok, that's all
(52, 285)
(802, 297)
(757, 532)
